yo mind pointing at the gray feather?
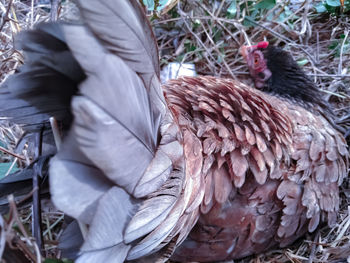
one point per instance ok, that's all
(117, 105)
(130, 37)
(114, 211)
(43, 87)
(115, 254)
(75, 185)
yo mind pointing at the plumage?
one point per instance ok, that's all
(201, 169)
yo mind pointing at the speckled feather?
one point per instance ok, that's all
(271, 168)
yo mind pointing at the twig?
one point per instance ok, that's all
(333, 93)
(219, 54)
(14, 218)
(344, 228)
(287, 40)
(32, 15)
(11, 153)
(330, 75)
(313, 247)
(215, 18)
(14, 20)
(317, 47)
(184, 16)
(37, 227)
(56, 132)
(12, 165)
(48, 230)
(54, 9)
(340, 65)
(6, 18)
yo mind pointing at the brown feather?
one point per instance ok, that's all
(249, 135)
(223, 184)
(239, 164)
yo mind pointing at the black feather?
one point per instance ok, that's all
(44, 86)
(289, 80)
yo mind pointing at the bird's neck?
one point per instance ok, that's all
(292, 83)
(288, 80)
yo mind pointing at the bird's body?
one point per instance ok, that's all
(211, 169)
(270, 168)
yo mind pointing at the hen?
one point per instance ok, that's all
(212, 169)
(272, 161)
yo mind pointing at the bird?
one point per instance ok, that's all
(273, 158)
(198, 169)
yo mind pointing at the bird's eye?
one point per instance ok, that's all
(256, 60)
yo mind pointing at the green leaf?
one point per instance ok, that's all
(232, 9)
(336, 46)
(4, 167)
(219, 59)
(347, 5)
(149, 4)
(217, 35)
(265, 4)
(162, 4)
(302, 62)
(334, 3)
(180, 58)
(247, 20)
(320, 8)
(287, 11)
(331, 9)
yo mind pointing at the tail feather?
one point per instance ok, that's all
(44, 86)
(75, 184)
(116, 126)
(115, 253)
(103, 174)
(131, 38)
(70, 240)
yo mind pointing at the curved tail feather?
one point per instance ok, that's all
(44, 85)
(121, 166)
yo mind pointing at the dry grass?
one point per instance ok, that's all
(202, 33)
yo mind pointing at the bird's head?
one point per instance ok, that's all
(274, 70)
(257, 63)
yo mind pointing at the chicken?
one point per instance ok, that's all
(202, 169)
(272, 162)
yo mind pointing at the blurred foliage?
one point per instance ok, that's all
(337, 44)
(4, 167)
(255, 10)
(333, 7)
(155, 5)
(2, 144)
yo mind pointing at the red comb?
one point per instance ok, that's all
(263, 44)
